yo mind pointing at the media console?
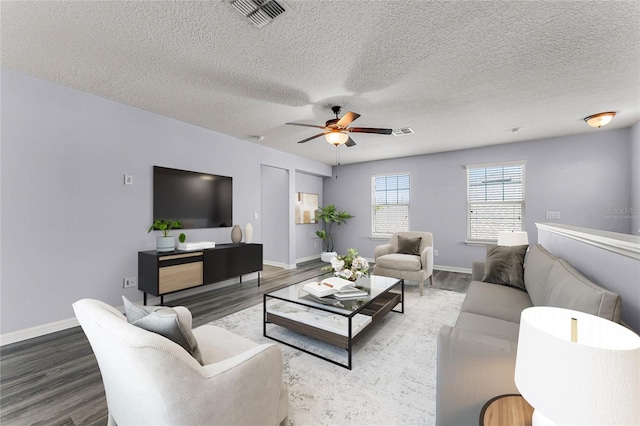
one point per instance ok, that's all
(161, 273)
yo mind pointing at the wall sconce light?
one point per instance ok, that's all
(600, 119)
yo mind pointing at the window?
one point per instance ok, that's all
(495, 200)
(390, 202)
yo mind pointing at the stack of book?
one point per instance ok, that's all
(335, 287)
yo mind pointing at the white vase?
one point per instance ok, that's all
(236, 234)
(326, 256)
(248, 233)
(165, 243)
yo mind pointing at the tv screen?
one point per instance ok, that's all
(197, 200)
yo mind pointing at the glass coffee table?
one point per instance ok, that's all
(337, 322)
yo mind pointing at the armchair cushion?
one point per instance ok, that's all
(505, 265)
(399, 261)
(170, 323)
(407, 245)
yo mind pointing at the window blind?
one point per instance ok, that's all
(495, 200)
(390, 195)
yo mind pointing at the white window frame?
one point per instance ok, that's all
(520, 203)
(383, 235)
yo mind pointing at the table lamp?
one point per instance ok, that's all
(513, 238)
(578, 369)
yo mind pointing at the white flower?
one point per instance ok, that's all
(360, 263)
(337, 264)
(346, 273)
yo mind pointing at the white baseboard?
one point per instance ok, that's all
(37, 331)
(452, 269)
(308, 258)
(279, 264)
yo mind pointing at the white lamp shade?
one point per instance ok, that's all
(336, 137)
(513, 238)
(595, 381)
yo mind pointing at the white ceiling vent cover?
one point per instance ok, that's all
(260, 12)
(402, 132)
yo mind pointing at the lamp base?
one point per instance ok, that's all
(539, 419)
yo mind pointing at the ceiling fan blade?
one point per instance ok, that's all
(305, 125)
(350, 142)
(347, 119)
(370, 130)
(312, 137)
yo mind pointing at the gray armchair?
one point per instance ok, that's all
(406, 257)
(151, 380)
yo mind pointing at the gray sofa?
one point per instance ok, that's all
(476, 357)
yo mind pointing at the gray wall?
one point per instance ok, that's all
(580, 176)
(308, 246)
(70, 228)
(634, 202)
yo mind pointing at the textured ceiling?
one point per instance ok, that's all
(460, 74)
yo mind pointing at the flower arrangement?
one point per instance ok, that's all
(349, 266)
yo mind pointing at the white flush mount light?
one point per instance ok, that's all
(336, 137)
(600, 119)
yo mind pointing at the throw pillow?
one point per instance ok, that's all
(164, 321)
(407, 245)
(505, 265)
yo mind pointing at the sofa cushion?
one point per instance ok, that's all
(488, 326)
(497, 301)
(407, 245)
(166, 322)
(403, 262)
(537, 266)
(568, 288)
(505, 265)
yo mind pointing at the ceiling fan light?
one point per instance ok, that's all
(336, 137)
(600, 119)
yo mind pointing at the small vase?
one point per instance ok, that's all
(248, 233)
(326, 256)
(236, 234)
(165, 243)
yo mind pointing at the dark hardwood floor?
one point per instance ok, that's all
(54, 379)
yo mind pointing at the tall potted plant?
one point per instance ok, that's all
(165, 242)
(329, 216)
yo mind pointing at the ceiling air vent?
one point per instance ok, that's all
(402, 132)
(260, 12)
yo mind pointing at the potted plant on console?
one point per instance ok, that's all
(165, 242)
(329, 216)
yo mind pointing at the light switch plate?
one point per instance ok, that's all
(552, 215)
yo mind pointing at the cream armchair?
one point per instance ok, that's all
(150, 380)
(405, 257)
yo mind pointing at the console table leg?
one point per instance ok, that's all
(258, 278)
(144, 298)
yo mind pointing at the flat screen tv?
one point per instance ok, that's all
(197, 200)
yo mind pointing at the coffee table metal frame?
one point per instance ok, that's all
(377, 307)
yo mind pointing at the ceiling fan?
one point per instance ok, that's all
(336, 129)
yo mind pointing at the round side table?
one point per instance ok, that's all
(503, 410)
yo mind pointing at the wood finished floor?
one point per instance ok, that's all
(54, 379)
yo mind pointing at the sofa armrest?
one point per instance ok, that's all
(472, 369)
(248, 385)
(426, 257)
(477, 270)
(382, 250)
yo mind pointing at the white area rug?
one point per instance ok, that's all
(393, 380)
